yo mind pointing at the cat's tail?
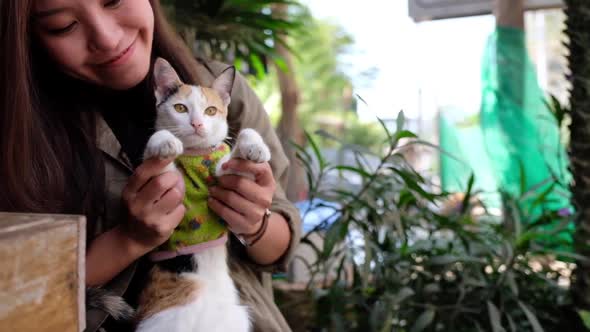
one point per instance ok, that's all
(108, 302)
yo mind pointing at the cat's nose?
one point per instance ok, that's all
(196, 125)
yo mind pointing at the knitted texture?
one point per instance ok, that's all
(199, 224)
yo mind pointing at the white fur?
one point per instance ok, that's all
(216, 307)
(163, 145)
(250, 146)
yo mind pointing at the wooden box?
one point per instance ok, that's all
(42, 259)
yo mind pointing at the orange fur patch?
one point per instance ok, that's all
(165, 290)
(213, 99)
(184, 90)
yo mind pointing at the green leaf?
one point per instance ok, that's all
(467, 197)
(423, 321)
(495, 320)
(401, 121)
(402, 295)
(336, 233)
(442, 260)
(543, 196)
(585, 316)
(512, 283)
(403, 134)
(316, 151)
(449, 259)
(531, 317)
(389, 136)
(358, 171)
(405, 198)
(511, 323)
(412, 184)
(361, 99)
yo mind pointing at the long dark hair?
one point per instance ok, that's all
(49, 162)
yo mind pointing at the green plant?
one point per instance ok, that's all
(577, 25)
(409, 258)
(243, 32)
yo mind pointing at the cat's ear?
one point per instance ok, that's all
(166, 79)
(223, 84)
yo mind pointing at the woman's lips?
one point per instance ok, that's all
(121, 58)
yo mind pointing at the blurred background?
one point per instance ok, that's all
(438, 151)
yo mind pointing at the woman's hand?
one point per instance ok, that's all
(240, 201)
(154, 201)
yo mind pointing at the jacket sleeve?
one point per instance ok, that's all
(246, 111)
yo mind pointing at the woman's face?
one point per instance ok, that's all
(104, 42)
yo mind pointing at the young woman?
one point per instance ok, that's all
(76, 109)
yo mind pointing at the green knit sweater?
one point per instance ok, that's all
(199, 224)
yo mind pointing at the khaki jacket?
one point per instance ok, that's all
(252, 280)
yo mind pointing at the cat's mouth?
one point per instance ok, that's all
(200, 133)
(196, 136)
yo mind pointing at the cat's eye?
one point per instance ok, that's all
(180, 108)
(211, 111)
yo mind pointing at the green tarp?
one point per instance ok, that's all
(516, 133)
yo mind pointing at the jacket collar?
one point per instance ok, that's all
(109, 144)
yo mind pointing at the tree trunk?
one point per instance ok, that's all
(577, 27)
(289, 129)
(509, 13)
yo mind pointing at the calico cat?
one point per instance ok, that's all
(190, 288)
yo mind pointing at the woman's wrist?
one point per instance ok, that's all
(273, 243)
(130, 244)
(249, 239)
(109, 254)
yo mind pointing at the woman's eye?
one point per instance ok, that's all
(61, 31)
(180, 108)
(113, 3)
(211, 111)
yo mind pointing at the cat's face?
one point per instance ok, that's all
(195, 115)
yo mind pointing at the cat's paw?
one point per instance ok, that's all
(163, 145)
(251, 146)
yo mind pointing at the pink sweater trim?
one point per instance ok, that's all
(190, 250)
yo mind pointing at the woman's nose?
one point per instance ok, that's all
(105, 34)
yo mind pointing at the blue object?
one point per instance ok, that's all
(316, 212)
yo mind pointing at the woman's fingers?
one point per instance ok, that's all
(262, 171)
(251, 212)
(235, 221)
(246, 188)
(147, 170)
(169, 201)
(155, 189)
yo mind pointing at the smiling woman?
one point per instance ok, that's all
(102, 42)
(76, 108)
